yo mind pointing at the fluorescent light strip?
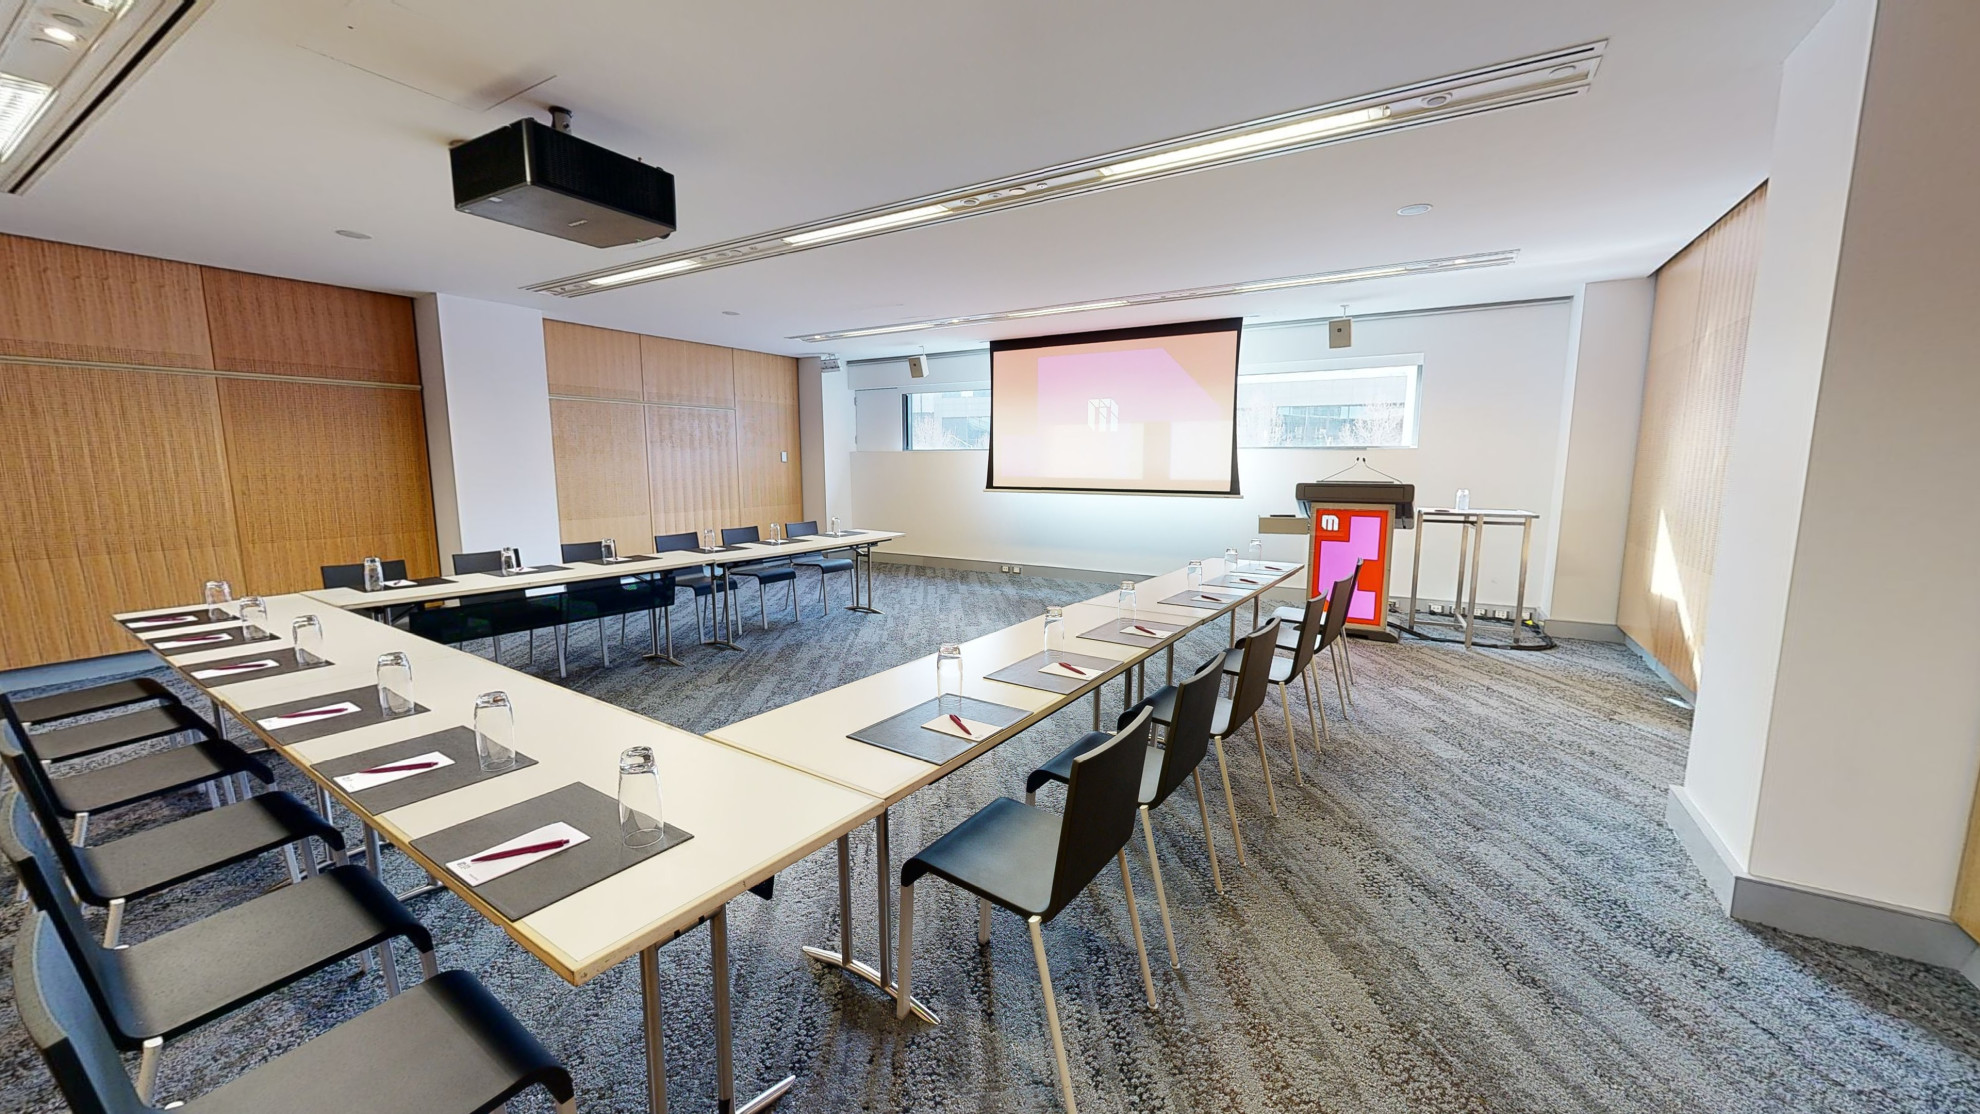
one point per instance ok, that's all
(21, 104)
(1324, 278)
(1560, 73)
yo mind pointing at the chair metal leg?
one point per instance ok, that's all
(905, 958)
(113, 925)
(388, 968)
(147, 1080)
(1316, 733)
(1052, 1015)
(1340, 686)
(1258, 733)
(1161, 895)
(656, 1052)
(1134, 920)
(429, 965)
(1292, 736)
(1209, 841)
(212, 795)
(289, 859)
(1230, 799)
(1347, 659)
(982, 921)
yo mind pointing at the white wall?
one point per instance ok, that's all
(487, 398)
(1492, 403)
(1859, 683)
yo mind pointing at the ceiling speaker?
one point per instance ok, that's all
(917, 367)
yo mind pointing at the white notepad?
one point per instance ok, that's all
(353, 783)
(480, 874)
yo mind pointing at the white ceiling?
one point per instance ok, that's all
(243, 149)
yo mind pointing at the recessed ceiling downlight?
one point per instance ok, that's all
(1415, 210)
(353, 234)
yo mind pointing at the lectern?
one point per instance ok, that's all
(1347, 521)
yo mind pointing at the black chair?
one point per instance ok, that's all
(39, 711)
(1035, 862)
(492, 614)
(599, 600)
(152, 991)
(1232, 713)
(80, 740)
(1163, 771)
(352, 576)
(825, 562)
(774, 571)
(77, 796)
(1332, 630)
(108, 875)
(442, 1047)
(703, 585)
(1301, 641)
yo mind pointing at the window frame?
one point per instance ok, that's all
(1342, 369)
(907, 418)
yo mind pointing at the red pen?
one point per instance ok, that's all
(1146, 631)
(518, 852)
(1247, 580)
(401, 768)
(960, 725)
(1071, 666)
(314, 712)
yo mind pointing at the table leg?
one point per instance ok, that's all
(656, 619)
(1457, 593)
(725, 1067)
(656, 1054)
(725, 627)
(863, 556)
(1415, 571)
(1096, 707)
(1477, 559)
(842, 958)
(1519, 599)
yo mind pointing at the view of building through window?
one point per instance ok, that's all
(1350, 408)
(948, 420)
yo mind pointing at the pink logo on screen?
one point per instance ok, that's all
(1144, 385)
(1337, 558)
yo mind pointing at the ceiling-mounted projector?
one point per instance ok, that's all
(541, 177)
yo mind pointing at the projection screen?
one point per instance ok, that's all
(1146, 411)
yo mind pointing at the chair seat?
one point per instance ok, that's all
(767, 574)
(701, 584)
(995, 854)
(181, 979)
(164, 856)
(154, 775)
(825, 564)
(586, 602)
(443, 1046)
(1059, 767)
(96, 698)
(110, 732)
(1288, 617)
(1281, 668)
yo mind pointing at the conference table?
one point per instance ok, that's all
(754, 797)
(747, 817)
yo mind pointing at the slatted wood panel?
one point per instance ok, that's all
(691, 468)
(1966, 898)
(771, 489)
(1691, 399)
(683, 373)
(275, 326)
(113, 486)
(593, 363)
(600, 449)
(348, 483)
(60, 301)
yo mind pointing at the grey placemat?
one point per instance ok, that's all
(534, 569)
(628, 560)
(456, 743)
(236, 635)
(1193, 599)
(283, 657)
(903, 733)
(1027, 673)
(368, 713)
(1110, 631)
(190, 617)
(1239, 581)
(519, 893)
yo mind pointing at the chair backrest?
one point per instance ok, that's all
(1101, 799)
(676, 543)
(584, 551)
(1189, 727)
(60, 1017)
(34, 861)
(488, 560)
(1254, 674)
(1312, 625)
(39, 796)
(801, 529)
(736, 535)
(352, 576)
(1337, 617)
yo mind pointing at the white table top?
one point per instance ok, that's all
(749, 817)
(478, 583)
(813, 734)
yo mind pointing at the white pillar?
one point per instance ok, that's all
(487, 393)
(1837, 737)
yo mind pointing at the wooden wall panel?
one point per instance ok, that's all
(95, 524)
(683, 373)
(593, 363)
(63, 302)
(600, 449)
(347, 483)
(769, 484)
(1697, 361)
(275, 326)
(691, 468)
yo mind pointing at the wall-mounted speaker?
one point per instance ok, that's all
(1340, 333)
(917, 367)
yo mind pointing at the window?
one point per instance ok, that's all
(1368, 407)
(946, 420)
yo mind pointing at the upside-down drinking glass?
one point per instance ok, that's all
(495, 731)
(609, 549)
(834, 531)
(395, 691)
(306, 633)
(1124, 602)
(1257, 553)
(511, 561)
(254, 614)
(708, 539)
(1055, 629)
(949, 677)
(1195, 574)
(374, 574)
(217, 593)
(639, 798)
(1230, 559)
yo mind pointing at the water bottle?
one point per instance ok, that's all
(374, 574)
(1463, 502)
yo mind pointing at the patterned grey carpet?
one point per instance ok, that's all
(1472, 905)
